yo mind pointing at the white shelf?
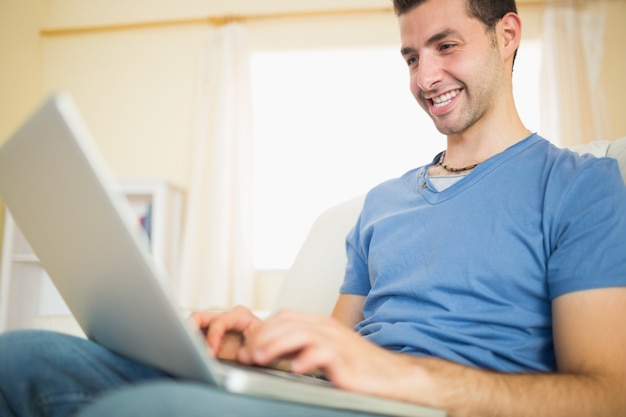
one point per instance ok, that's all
(26, 291)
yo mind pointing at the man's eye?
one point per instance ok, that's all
(411, 61)
(446, 46)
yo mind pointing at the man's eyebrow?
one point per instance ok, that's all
(407, 50)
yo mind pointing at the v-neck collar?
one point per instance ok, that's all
(430, 193)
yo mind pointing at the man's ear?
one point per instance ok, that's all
(509, 31)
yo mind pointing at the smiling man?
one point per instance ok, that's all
(490, 282)
(461, 75)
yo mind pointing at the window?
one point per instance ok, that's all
(329, 124)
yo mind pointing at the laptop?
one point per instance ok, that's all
(86, 236)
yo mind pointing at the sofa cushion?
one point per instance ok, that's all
(617, 150)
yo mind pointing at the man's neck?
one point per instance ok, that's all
(486, 138)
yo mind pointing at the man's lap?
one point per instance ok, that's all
(55, 375)
(188, 399)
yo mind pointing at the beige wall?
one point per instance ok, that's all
(21, 68)
(135, 89)
(131, 65)
(614, 68)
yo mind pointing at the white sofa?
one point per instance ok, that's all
(312, 283)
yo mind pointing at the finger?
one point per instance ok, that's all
(284, 336)
(203, 319)
(229, 346)
(239, 320)
(314, 358)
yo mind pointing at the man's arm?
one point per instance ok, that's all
(590, 347)
(590, 344)
(349, 309)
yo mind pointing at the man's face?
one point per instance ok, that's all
(455, 67)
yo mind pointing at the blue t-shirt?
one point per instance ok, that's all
(468, 274)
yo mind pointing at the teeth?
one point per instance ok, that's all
(444, 99)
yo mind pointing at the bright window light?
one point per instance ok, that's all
(329, 124)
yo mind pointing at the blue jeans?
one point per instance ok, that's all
(47, 374)
(54, 375)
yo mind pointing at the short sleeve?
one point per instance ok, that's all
(356, 279)
(588, 240)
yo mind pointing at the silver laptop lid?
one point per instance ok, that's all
(88, 239)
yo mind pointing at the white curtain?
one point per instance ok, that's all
(573, 104)
(216, 266)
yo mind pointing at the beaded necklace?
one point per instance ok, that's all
(450, 169)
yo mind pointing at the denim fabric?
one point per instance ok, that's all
(181, 399)
(46, 374)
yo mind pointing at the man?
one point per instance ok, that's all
(489, 282)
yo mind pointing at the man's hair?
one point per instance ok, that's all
(489, 12)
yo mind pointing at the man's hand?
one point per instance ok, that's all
(226, 332)
(320, 343)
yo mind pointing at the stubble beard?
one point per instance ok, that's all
(480, 98)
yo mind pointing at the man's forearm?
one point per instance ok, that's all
(467, 392)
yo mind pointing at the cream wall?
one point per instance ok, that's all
(135, 88)
(614, 68)
(21, 66)
(21, 69)
(131, 66)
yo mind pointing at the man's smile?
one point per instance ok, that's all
(444, 99)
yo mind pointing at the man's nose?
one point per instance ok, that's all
(428, 73)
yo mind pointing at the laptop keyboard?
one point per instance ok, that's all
(306, 378)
